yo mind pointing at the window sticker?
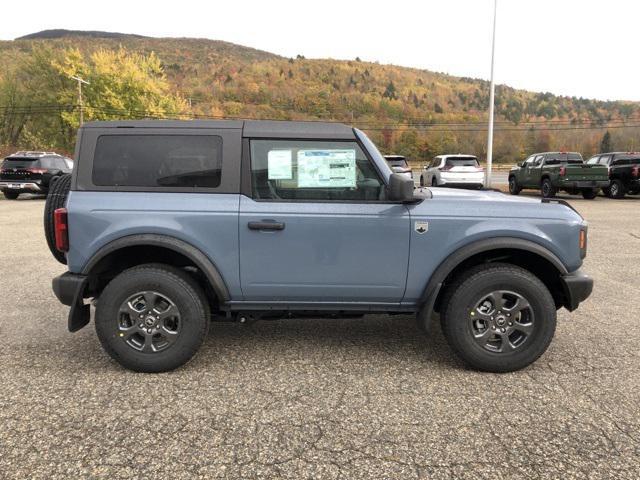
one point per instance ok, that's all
(279, 165)
(326, 168)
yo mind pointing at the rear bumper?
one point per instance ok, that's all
(577, 288)
(20, 186)
(585, 184)
(459, 184)
(68, 286)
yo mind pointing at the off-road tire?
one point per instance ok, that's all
(547, 190)
(460, 300)
(10, 195)
(514, 188)
(589, 193)
(57, 198)
(168, 281)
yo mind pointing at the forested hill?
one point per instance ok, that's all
(416, 112)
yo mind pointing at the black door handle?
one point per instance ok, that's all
(266, 225)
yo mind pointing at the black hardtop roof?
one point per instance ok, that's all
(557, 153)
(250, 128)
(33, 154)
(626, 154)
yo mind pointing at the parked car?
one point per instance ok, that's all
(453, 171)
(555, 171)
(399, 164)
(31, 172)
(167, 224)
(624, 172)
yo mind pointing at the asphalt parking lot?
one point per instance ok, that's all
(359, 398)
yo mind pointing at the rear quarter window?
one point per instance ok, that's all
(158, 161)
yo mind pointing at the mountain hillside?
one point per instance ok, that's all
(415, 112)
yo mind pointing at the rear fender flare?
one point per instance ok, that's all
(192, 253)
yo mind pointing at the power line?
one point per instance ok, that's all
(370, 126)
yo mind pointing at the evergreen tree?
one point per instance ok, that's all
(390, 91)
(605, 145)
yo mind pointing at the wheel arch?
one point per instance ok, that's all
(132, 250)
(525, 253)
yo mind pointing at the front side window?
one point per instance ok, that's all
(158, 161)
(313, 170)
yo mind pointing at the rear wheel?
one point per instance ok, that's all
(498, 317)
(547, 189)
(514, 188)
(10, 195)
(152, 318)
(57, 198)
(589, 193)
(617, 189)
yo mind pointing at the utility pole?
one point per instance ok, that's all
(80, 82)
(487, 179)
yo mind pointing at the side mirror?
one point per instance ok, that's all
(400, 188)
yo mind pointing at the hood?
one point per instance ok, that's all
(479, 195)
(492, 203)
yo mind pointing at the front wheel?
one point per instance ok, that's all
(547, 189)
(152, 318)
(514, 188)
(498, 317)
(10, 195)
(589, 193)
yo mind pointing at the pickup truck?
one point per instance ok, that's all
(167, 225)
(554, 171)
(624, 172)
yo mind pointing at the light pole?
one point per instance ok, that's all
(492, 88)
(80, 82)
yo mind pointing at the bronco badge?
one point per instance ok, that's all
(421, 227)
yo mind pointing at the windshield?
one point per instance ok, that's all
(593, 161)
(380, 162)
(398, 163)
(18, 162)
(462, 162)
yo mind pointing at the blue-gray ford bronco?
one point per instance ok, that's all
(168, 225)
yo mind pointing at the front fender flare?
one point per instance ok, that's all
(434, 285)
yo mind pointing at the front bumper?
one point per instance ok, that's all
(577, 288)
(20, 186)
(585, 184)
(69, 289)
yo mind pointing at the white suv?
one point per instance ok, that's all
(453, 171)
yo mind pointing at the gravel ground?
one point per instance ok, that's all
(366, 398)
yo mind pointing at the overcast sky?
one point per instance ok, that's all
(570, 47)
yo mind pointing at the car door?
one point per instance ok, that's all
(315, 226)
(535, 171)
